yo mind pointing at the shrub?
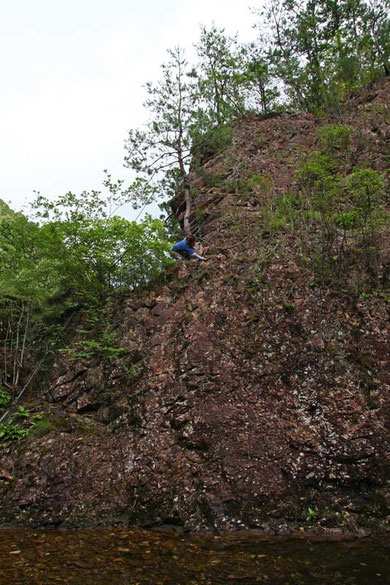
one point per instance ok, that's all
(335, 137)
(209, 179)
(315, 169)
(207, 143)
(9, 431)
(365, 187)
(347, 220)
(261, 184)
(19, 425)
(98, 340)
(345, 212)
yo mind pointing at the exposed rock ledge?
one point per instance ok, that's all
(237, 405)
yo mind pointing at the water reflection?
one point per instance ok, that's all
(137, 558)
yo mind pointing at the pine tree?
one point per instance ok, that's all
(162, 149)
(220, 75)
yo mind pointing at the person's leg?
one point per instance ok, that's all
(178, 257)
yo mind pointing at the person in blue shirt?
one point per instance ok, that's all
(184, 250)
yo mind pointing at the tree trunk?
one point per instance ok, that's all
(187, 213)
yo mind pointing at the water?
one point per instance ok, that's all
(135, 557)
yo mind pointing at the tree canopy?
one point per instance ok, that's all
(307, 56)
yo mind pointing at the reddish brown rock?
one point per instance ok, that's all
(247, 392)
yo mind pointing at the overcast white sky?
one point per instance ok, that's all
(71, 75)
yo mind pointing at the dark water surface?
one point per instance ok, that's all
(109, 557)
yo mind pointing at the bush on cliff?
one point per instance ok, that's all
(78, 248)
(73, 254)
(336, 211)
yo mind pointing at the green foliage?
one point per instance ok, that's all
(254, 183)
(209, 140)
(5, 210)
(9, 431)
(171, 223)
(15, 334)
(285, 212)
(345, 210)
(311, 514)
(79, 249)
(134, 371)
(347, 220)
(210, 179)
(18, 253)
(98, 339)
(22, 413)
(41, 428)
(315, 169)
(260, 85)
(200, 215)
(248, 183)
(19, 425)
(75, 254)
(338, 211)
(320, 50)
(335, 137)
(161, 150)
(104, 348)
(5, 397)
(220, 76)
(365, 187)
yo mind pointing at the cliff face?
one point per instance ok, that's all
(250, 391)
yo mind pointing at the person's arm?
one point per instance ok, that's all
(199, 257)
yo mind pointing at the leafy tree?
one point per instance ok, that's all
(220, 75)
(355, 47)
(321, 49)
(259, 78)
(19, 253)
(94, 251)
(377, 23)
(74, 254)
(162, 149)
(277, 38)
(5, 209)
(70, 246)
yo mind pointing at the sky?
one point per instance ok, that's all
(72, 75)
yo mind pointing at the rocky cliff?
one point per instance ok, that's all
(251, 392)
